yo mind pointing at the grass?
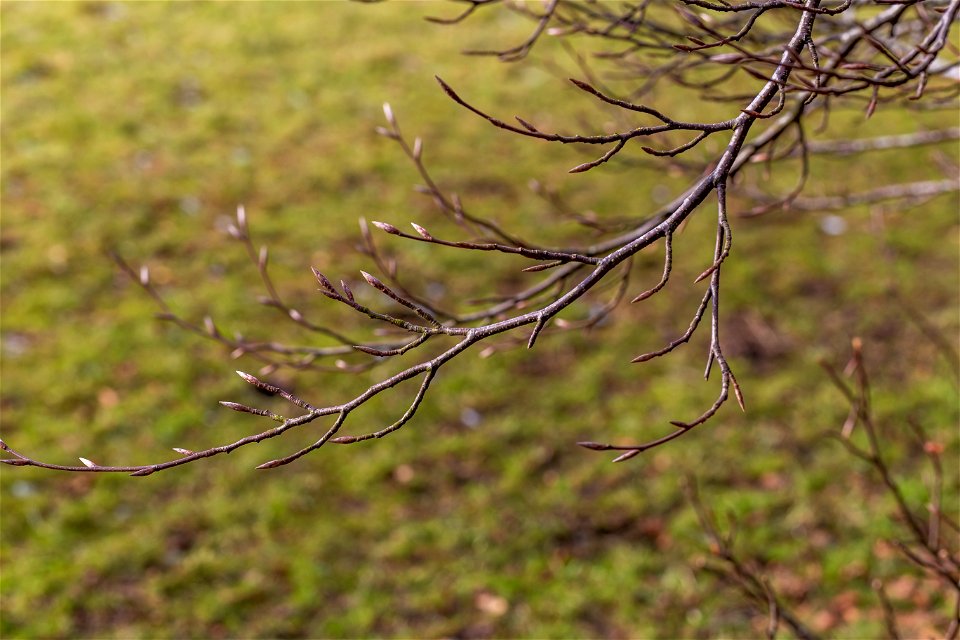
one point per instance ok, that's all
(139, 127)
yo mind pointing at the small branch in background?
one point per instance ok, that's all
(748, 579)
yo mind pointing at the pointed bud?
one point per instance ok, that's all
(183, 452)
(594, 446)
(295, 315)
(417, 148)
(627, 455)
(526, 125)
(270, 465)
(241, 216)
(343, 440)
(144, 275)
(322, 279)
(249, 379)
(373, 282)
(387, 227)
(420, 230)
(388, 114)
(346, 290)
(580, 168)
(210, 326)
(386, 133)
(262, 258)
(88, 463)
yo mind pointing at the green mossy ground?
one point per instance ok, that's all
(139, 127)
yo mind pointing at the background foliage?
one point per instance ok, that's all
(139, 127)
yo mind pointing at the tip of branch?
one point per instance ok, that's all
(738, 394)
(386, 227)
(680, 425)
(373, 282)
(270, 465)
(322, 280)
(627, 455)
(580, 84)
(447, 89)
(343, 440)
(388, 114)
(421, 231)
(643, 357)
(88, 463)
(247, 378)
(580, 168)
(593, 446)
(14, 462)
(526, 125)
(183, 452)
(143, 472)
(242, 408)
(706, 273)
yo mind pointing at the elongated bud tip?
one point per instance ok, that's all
(143, 472)
(386, 226)
(580, 168)
(627, 455)
(144, 275)
(183, 452)
(88, 463)
(370, 279)
(248, 378)
(447, 88)
(388, 113)
(594, 446)
(241, 216)
(417, 148)
(346, 290)
(344, 440)
(421, 231)
(325, 284)
(270, 465)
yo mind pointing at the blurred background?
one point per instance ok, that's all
(139, 127)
